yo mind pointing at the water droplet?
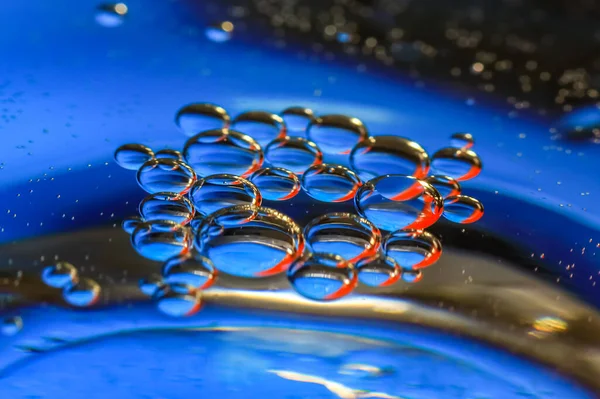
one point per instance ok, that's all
(276, 184)
(336, 134)
(200, 117)
(151, 284)
(463, 209)
(397, 202)
(223, 151)
(330, 183)
(129, 224)
(463, 141)
(412, 249)
(297, 119)
(133, 156)
(350, 236)
(378, 271)
(411, 276)
(161, 239)
(167, 206)
(221, 191)
(11, 325)
(381, 155)
(111, 15)
(176, 304)
(262, 126)
(60, 275)
(168, 154)
(250, 242)
(459, 164)
(191, 270)
(166, 175)
(294, 153)
(219, 32)
(445, 185)
(83, 294)
(322, 277)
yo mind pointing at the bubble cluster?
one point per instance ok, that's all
(76, 291)
(205, 214)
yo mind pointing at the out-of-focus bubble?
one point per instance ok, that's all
(111, 15)
(165, 175)
(262, 126)
(378, 271)
(167, 206)
(411, 276)
(456, 163)
(330, 183)
(462, 209)
(336, 134)
(462, 140)
(130, 223)
(412, 249)
(199, 117)
(176, 304)
(11, 325)
(168, 154)
(189, 269)
(84, 293)
(294, 153)
(161, 239)
(445, 185)
(221, 191)
(133, 156)
(60, 275)
(297, 120)
(220, 32)
(151, 284)
(276, 184)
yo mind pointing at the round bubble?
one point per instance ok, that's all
(11, 325)
(350, 236)
(462, 140)
(83, 294)
(161, 239)
(250, 242)
(378, 271)
(199, 117)
(130, 223)
(223, 151)
(168, 154)
(262, 126)
(336, 134)
(456, 163)
(175, 304)
(412, 276)
(221, 191)
(111, 15)
(166, 175)
(322, 277)
(294, 153)
(191, 270)
(276, 184)
(462, 209)
(220, 32)
(412, 249)
(151, 284)
(167, 206)
(60, 275)
(445, 185)
(133, 156)
(384, 155)
(398, 202)
(330, 183)
(297, 119)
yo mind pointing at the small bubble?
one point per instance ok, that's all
(464, 141)
(323, 277)
(456, 163)
(294, 153)
(262, 126)
(161, 239)
(82, 294)
(219, 32)
(276, 184)
(412, 249)
(462, 209)
(166, 175)
(176, 304)
(445, 185)
(168, 154)
(110, 16)
(199, 117)
(330, 183)
(167, 206)
(60, 275)
(11, 325)
(297, 119)
(133, 156)
(151, 284)
(378, 271)
(336, 134)
(190, 270)
(223, 151)
(412, 276)
(221, 191)
(130, 223)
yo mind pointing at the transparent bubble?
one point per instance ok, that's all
(337, 134)
(111, 15)
(378, 271)
(130, 223)
(191, 270)
(262, 126)
(330, 183)
(166, 175)
(322, 277)
(294, 153)
(462, 140)
(276, 184)
(250, 242)
(297, 119)
(168, 154)
(199, 117)
(223, 151)
(161, 239)
(176, 304)
(383, 155)
(11, 325)
(60, 275)
(216, 192)
(462, 209)
(411, 275)
(167, 206)
(446, 186)
(456, 163)
(344, 234)
(133, 156)
(220, 32)
(151, 284)
(83, 294)
(412, 249)
(397, 202)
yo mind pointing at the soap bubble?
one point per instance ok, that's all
(199, 117)
(463, 141)
(60, 275)
(412, 276)
(378, 271)
(336, 134)
(462, 209)
(412, 249)
(276, 184)
(176, 304)
(221, 191)
(168, 154)
(446, 186)
(456, 163)
(262, 126)
(133, 156)
(189, 269)
(161, 239)
(330, 183)
(294, 153)
(167, 206)
(297, 119)
(84, 293)
(165, 175)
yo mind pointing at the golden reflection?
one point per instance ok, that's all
(121, 8)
